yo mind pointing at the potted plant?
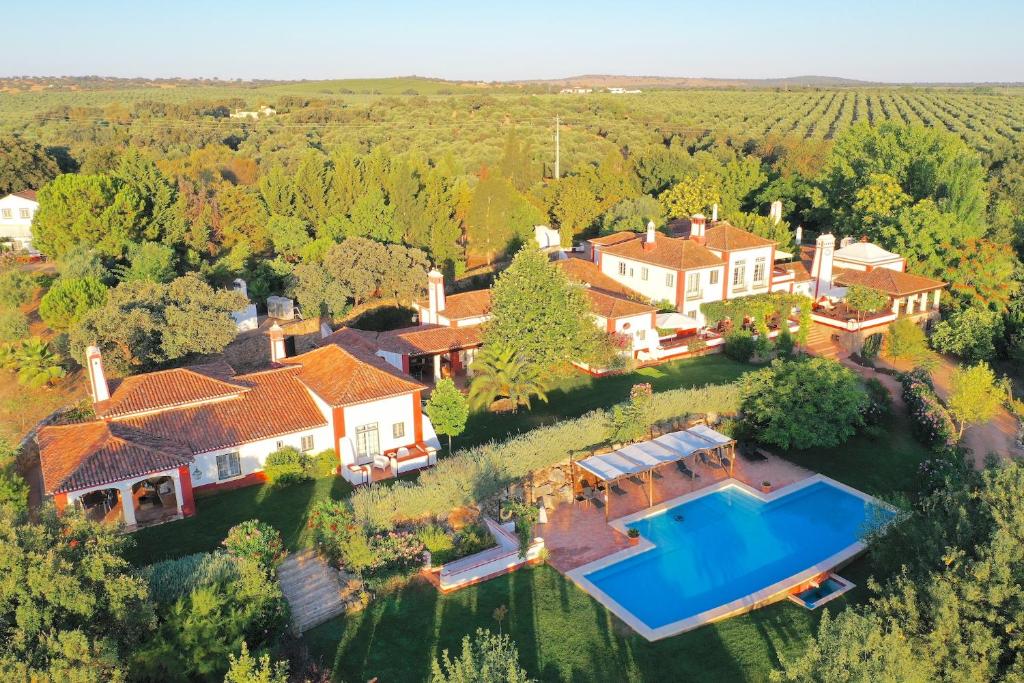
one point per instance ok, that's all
(634, 536)
(766, 486)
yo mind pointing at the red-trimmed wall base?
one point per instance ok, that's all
(242, 482)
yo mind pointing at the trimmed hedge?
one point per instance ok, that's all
(173, 579)
(932, 424)
(473, 475)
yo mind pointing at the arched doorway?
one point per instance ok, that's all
(103, 505)
(154, 499)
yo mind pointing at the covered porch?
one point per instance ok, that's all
(139, 502)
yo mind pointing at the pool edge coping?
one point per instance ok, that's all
(735, 607)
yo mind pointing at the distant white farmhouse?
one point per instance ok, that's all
(16, 213)
(263, 111)
(623, 91)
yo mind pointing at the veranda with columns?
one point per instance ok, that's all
(130, 506)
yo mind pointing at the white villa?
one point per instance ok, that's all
(160, 436)
(16, 213)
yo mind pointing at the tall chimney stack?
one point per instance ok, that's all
(435, 295)
(799, 235)
(821, 269)
(650, 237)
(776, 211)
(98, 386)
(698, 224)
(714, 213)
(278, 350)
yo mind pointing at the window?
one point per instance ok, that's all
(398, 430)
(307, 443)
(759, 271)
(622, 268)
(739, 276)
(641, 334)
(228, 465)
(7, 213)
(713, 277)
(692, 314)
(367, 443)
(670, 280)
(631, 272)
(23, 213)
(644, 272)
(279, 445)
(693, 285)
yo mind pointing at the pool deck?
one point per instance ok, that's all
(765, 596)
(577, 533)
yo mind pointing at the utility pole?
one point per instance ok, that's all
(557, 151)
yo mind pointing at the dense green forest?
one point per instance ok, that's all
(351, 189)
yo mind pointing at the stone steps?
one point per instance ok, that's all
(819, 342)
(315, 591)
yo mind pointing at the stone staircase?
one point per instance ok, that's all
(314, 590)
(819, 341)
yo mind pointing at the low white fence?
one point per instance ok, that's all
(503, 558)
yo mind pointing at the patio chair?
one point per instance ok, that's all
(381, 461)
(686, 471)
(402, 452)
(656, 474)
(617, 490)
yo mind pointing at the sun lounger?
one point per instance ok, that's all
(750, 453)
(637, 480)
(686, 471)
(617, 490)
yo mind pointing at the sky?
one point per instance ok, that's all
(896, 41)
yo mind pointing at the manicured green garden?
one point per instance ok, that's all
(287, 508)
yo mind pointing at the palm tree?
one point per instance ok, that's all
(37, 365)
(499, 372)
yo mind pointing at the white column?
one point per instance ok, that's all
(437, 367)
(938, 292)
(177, 488)
(127, 503)
(911, 300)
(896, 305)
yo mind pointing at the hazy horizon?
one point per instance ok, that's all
(946, 41)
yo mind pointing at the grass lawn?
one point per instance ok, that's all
(564, 635)
(287, 508)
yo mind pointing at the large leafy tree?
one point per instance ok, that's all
(24, 165)
(541, 315)
(447, 409)
(71, 607)
(69, 299)
(969, 333)
(575, 208)
(501, 374)
(145, 324)
(499, 218)
(696, 194)
(97, 211)
(814, 402)
(974, 395)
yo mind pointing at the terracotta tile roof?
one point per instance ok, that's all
(892, 282)
(346, 376)
(798, 269)
(351, 339)
(276, 403)
(90, 454)
(668, 252)
(610, 306)
(615, 238)
(724, 236)
(169, 388)
(467, 305)
(429, 339)
(26, 194)
(587, 272)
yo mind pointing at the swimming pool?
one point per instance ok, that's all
(727, 548)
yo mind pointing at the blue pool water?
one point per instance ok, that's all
(730, 544)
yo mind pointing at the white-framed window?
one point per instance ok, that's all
(760, 271)
(644, 273)
(670, 280)
(692, 285)
(632, 273)
(229, 465)
(398, 430)
(713, 277)
(622, 267)
(23, 213)
(641, 334)
(739, 275)
(306, 444)
(7, 213)
(692, 314)
(278, 445)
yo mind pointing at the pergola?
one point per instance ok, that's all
(639, 459)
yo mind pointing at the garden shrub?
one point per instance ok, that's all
(631, 421)
(255, 540)
(931, 422)
(16, 287)
(325, 463)
(879, 406)
(478, 473)
(173, 579)
(784, 343)
(740, 345)
(287, 466)
(13, 325)
(485, 657)
(13, 487)
(872, 346)
(438, 542)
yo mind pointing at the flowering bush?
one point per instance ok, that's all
(932, 424)
(287, 465)
(939, 471)
(255, 540)
(332, 525)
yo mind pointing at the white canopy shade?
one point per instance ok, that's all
(673, 321)
(684, 443)
(646, 455)
(782, 255)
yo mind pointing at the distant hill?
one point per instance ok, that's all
(669, 82)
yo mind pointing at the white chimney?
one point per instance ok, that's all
(714, 213)
(650, 237)
(776, 211)
(845, 242)
(698, 223)
(325, 329)
(799, 235)
(241, 287)
(97, 378)
(435, 295)
(278, 350)
(821, 269)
